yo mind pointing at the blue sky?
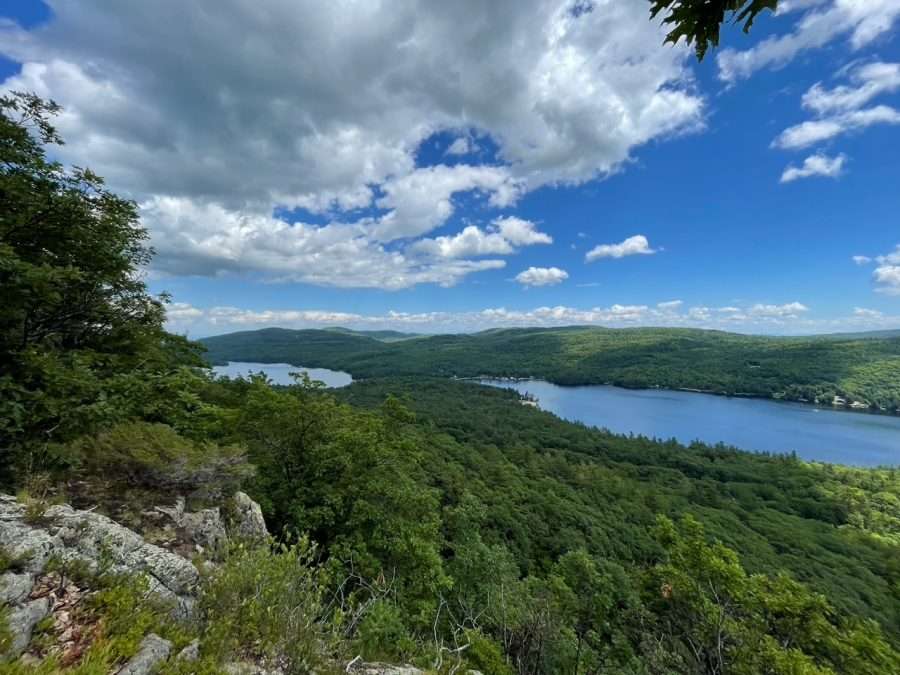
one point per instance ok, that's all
(431, 171)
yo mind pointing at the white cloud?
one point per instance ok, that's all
(670, 305)
(636, 245)
(861, 20)
(888, 279)
(210, 240)
(789, 310)
(867, 313)
(815, 165)
(501, 238)
(542, 276)
(521, 232)
(892, 258)
(840, 110)
(422, 200)
(472, 241)
(886, 275)
(870, 80)
(461, 146)
(242, 107)
(815, 131)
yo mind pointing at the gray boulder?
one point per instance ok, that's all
(190, 653)
(14, 588)
(33, 545)
(248, 522)
(153, 651)
(21, 622)
(94, 538)
(203, 528)
(98, 542)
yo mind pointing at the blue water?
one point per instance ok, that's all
(280, 373)
(751, 424)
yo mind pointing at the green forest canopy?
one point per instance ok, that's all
(856, 368)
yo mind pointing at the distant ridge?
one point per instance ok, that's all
(859, 370)
(864, 335)
(382, 335)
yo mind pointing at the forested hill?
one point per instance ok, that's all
(859, 368)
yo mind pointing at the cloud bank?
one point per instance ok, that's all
(215, 120)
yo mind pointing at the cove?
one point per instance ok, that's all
(818, 434)
(280, 373)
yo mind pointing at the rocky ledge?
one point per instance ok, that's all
(30, 592)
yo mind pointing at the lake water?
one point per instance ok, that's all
(279, 373)
(751, 424)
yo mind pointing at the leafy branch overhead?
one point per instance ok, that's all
(699, 21)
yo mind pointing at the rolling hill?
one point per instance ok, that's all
(865, 370)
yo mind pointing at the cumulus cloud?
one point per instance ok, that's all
(815, 131)
(840, 110)
(815, 165)
(207, 239)
(888, 279)
(892, 258)
(886, 275)
(790, 310)
(860, 21)
(239, 108)
(500, 238)
(461, 146)
(636, 245)
(869, 80)
(520, 232)
(867, 313)
(421, 200)
(542, 276)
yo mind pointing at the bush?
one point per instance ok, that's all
(267, 604)
(383, 635)
(156, 456)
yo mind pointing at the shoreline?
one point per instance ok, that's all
(847, 408)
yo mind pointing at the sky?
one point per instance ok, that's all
(443, 167)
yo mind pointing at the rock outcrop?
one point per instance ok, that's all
(21, 622)
(36, 595)
(204, 529)
(153, 651)
(69, 535)
(248, 521)
(30, 592)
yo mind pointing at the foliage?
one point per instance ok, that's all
(119, 614)
(10, 562)
(720, 619)
(77, 326)
(349, 478)
(813, 369)
(155, 455)
(698, 21)
(270, 607)
(522, 489)
(5, 633)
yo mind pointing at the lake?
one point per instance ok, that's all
(814, 433)
(279, 373)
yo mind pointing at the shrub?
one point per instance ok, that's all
(268, 604)
(156, 456)
(383, 635)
